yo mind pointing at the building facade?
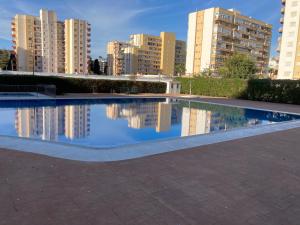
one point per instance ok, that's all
(289, 42)
(44, 44)
(215, 34)
(116, 57)
(77, 46)
(144, 54)
(27, 43)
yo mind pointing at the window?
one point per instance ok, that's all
(294, 14)
(294, 3)
(290, 44)
(292, 24)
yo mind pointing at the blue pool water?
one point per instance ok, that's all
(117, 122)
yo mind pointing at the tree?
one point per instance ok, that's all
(179, 69)
(96, 67)
(91, 66)
(238, 66)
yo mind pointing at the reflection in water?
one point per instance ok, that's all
(121, 122)
(48, 123)
(154, 115)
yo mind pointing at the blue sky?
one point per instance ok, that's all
(117, 19)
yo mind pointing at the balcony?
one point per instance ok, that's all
(283, 2)
(280, 30)
(281, 20)
(282, 10)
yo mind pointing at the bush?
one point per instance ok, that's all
(280, 91)
(72, 85)
(217, 87)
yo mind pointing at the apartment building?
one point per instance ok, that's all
(77, 46)
(214, 34)
(144, 54)
(289, 42)
(60, 47)
(180, 52)
(44, 44)
(116, 57)
(27, 43)
(49, 40)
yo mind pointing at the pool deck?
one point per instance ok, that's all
(249, 181)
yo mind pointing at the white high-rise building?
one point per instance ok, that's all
(289, 42)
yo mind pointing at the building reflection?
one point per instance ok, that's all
(158, 115)
(197, 121)
(47, 123)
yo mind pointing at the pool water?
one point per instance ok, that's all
(115, 122)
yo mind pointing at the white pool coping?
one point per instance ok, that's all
(89, 154)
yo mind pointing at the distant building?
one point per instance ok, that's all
(145, 54)
(180, 54)
(44, 44)
(215, 34)
(289, 42)
(115, 57)
(273, 67)
(103, 65)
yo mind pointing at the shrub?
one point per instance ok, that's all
(280, 91)
(217, 87)
(73, 85)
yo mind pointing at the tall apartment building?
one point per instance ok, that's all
(49, 40)
(115, 57)
(77, 46)
(289, 42)
(144, 54)
(214, 34)
(44, 44)
(27, 43)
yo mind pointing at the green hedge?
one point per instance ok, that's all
(280, 91)
(216, 87)
(72, 85)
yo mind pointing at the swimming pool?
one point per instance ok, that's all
(107, 123)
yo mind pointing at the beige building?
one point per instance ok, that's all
(49, 41)
(44, 44)
(216, 33)
(116, 57)
(144, 54)
(77, 46)
(27, 43)
(289, 42)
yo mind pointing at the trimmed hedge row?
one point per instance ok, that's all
(231, 88)
(280, 91)
(74, 85)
